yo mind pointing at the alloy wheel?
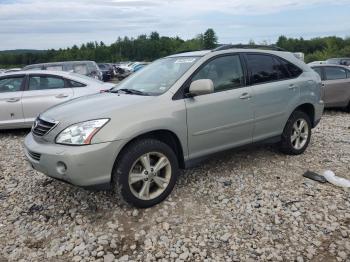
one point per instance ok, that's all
(150, 175)
(300, 134)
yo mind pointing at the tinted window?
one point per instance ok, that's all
(72, 83)
(318, 70)
(262, 68)
(45, 82)
(281, 69)
(333, 73)
(293, 70)
(11, 84)
(225, 72)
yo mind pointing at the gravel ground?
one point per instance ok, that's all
(247, 205)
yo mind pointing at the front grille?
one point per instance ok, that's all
(42, 127)
(35, 156)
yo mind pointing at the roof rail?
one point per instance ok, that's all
(265, 47)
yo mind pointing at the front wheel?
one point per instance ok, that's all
(296, 134)
(145, 173)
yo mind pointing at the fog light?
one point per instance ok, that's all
(61, 168)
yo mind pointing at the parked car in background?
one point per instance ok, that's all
(176, 110)
(25, 94)
(339, 61)
(12, 70)
(336, 85)
(88, 68)
(317, 63)
(107, 71)
(122, 72)
(138, 65)
(300, 55)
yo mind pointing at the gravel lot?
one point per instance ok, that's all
(248, 205)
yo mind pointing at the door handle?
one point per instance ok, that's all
(13, 99)
(245, 96)
(61, 96)
(292, 86)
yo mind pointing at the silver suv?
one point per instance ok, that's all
(176, 110)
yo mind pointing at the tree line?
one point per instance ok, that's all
(142, 48)
(317, 49)
(153, 46)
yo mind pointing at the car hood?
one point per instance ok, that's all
(104, 105)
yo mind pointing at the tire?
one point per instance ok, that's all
(347, 109)
(136, 172)
(290, 136)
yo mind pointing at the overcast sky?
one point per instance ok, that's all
(43, 24)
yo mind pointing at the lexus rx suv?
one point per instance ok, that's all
(135, 137)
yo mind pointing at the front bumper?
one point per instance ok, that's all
(86, 166)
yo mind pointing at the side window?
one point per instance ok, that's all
(11, 84)
(281, 69)
(225, 72)
(262, 68)
(334, 73)
(72, 83)
(293, 70)
(45, 82)
(318, 70)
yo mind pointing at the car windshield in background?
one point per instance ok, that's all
(158, 77)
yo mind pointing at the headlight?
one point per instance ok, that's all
(81, 133)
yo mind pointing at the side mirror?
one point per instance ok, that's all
(201, 87)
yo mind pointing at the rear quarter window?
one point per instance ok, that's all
(72, 83)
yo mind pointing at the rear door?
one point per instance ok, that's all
(43, 91)
(337, 86)
(275, 91)
(11, 89)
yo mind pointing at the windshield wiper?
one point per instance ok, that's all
(130, 91)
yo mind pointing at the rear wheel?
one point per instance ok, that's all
(347, 109)
(145, 173)
(296, 134)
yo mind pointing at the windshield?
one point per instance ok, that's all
(158, 77)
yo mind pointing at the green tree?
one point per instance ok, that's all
(210, 39)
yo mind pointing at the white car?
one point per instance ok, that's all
(317, 63)
(25, 94)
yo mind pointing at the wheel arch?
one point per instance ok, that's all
(308, 109)
(166, 136)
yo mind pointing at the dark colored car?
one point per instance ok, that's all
(107, 71)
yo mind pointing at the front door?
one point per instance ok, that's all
(223, 119)
(42, 92)
(11, 89)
